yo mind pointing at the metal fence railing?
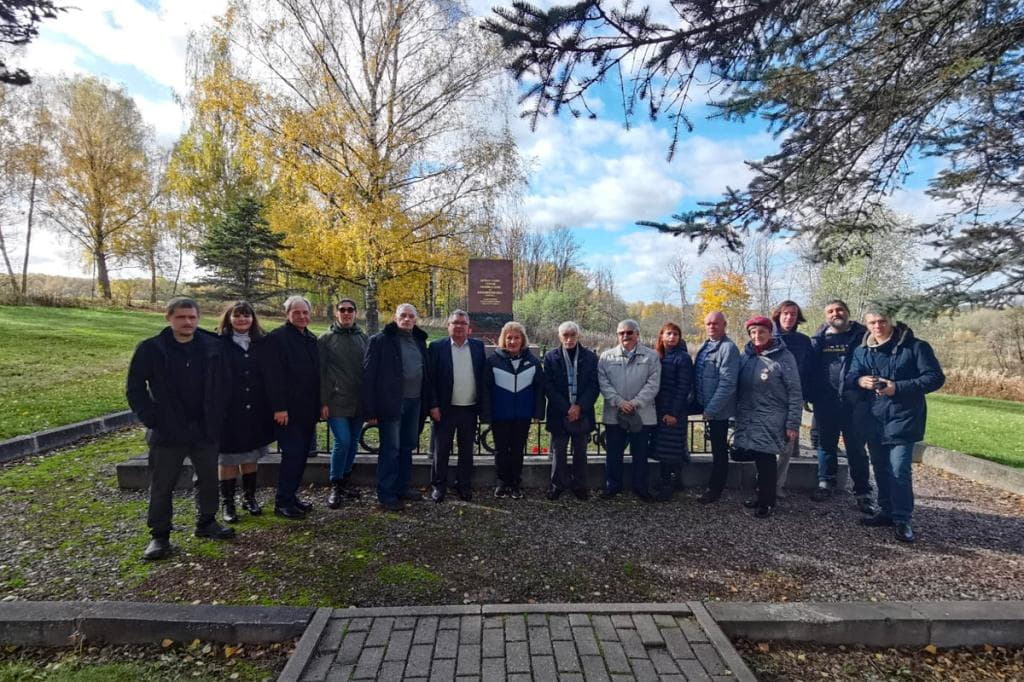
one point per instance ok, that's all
(539, 442)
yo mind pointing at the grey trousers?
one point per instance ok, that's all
(165, 462)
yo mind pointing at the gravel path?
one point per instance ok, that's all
(778, 661)
(67, 533)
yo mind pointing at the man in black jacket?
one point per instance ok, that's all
(176, 386)
(837, 409)
(456, 391)
(293, 379)
(395, 396)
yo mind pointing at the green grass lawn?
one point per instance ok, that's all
(992, 429)
(63, 365)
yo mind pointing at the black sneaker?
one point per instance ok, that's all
(877, 520)
(293, 513)
(214, 531)
(904, 533)
(516, 493)
(751, 503)
(157, 549)
(762, 512)
(865, 506)
(502, 491)
(303, 506)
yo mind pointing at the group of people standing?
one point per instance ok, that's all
(222, 398)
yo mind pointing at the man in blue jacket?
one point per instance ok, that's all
(395, 396)
(835, 406)
(895, 370)
(716, 370)
(786, 317)
(456, 393)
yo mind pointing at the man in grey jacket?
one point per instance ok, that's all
(716, 369)
(629, 376)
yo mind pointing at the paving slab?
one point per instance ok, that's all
(558, 642)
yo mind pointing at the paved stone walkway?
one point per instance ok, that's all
(494, 643)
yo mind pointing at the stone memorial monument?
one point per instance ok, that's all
(490, 296)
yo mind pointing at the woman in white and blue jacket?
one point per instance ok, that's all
(513, 398)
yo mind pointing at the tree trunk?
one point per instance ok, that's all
(372, 312)
(28, 233)
(152, 279)
(10, 269)
(102, 276)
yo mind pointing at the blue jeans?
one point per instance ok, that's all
(893, 478)
(616, 440)
(294, 441)
(398, 438)
(834, 419)
(346, 432)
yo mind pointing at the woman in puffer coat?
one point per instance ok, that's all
(768, 408)
(671, 404)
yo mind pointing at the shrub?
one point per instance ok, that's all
(984, 383)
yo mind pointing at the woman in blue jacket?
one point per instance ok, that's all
(514, 397)
(672, 403)
(896, 370)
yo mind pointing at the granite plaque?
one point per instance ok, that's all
(490, 295)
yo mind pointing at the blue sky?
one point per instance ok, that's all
(597, 177)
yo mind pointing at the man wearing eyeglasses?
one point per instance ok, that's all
(629, 376)
(716, 370)
(456, 389)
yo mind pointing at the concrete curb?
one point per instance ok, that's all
(733, 661)
(916, 624)
(973, 468)
(299, 659)
(50, 439)
(58, 624)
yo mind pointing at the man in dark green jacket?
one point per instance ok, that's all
(341, 380)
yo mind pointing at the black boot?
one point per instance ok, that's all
(334, 499)
(227, 493)
(207, 527)
(249, 501)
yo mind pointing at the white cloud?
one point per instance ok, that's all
(640, 264)
(166, 117)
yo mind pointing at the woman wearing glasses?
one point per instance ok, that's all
(341, 380)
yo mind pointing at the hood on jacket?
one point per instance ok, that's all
(391, 329)
(336, 328)
(901, 334)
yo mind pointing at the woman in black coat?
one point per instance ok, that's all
(671, 403)
(248, 427)
(572, 389)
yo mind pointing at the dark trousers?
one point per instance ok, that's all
(459, 422)
(718, 430)
(833, 419)
(766, 478)
(398, 438)
(564, 476)
(295, 442)
(509, 447)
(165, 462)
(616, 440)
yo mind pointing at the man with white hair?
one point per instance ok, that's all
(396, 394)
(293, 381)
(629, 376)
